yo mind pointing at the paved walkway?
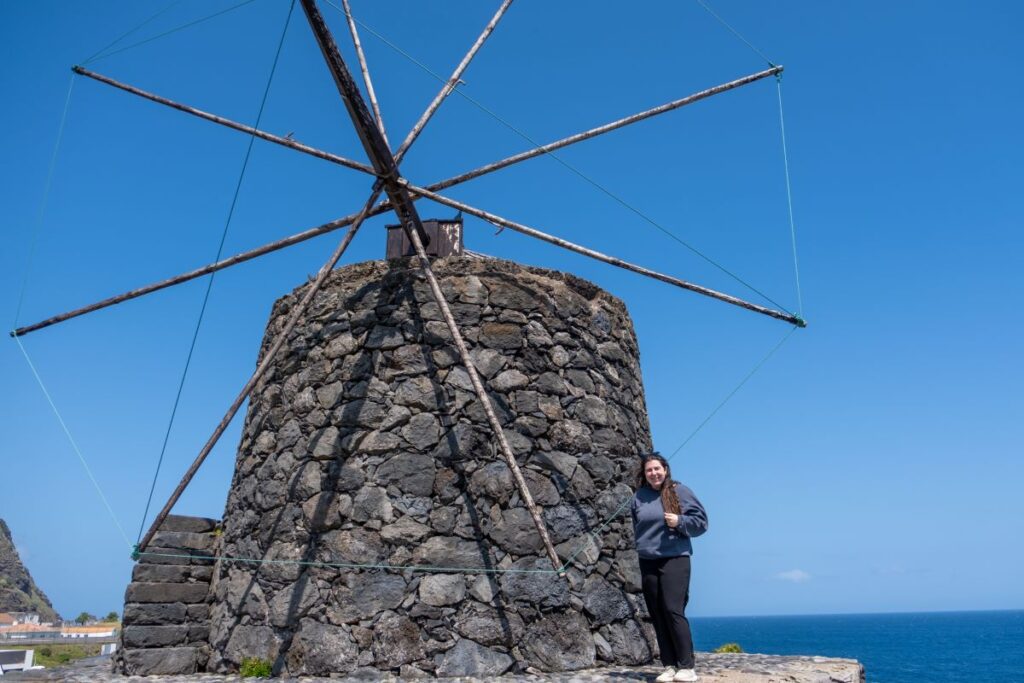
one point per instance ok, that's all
(712, 668)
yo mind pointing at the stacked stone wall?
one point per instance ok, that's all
(166, 622)
(365, 451)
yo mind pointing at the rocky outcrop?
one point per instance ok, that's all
(18, 592)
(365, 451)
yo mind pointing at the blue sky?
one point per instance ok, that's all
(872, 464)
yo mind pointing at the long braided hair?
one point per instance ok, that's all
(669, 499)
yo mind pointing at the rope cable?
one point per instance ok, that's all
(572, 168)
(128, 33)
(785, 154)
(169, 32)
(74, 444)
(209, 282)
(41, 213)
(352, 565)
(736, 33)
(789, 200)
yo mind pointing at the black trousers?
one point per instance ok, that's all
(666, 586)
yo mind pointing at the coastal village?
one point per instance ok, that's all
(27, 625)
(29, 643)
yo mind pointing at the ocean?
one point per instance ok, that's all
(923, 647)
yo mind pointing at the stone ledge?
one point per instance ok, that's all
(192, 543)
(154, 636)
(196, 525)
(160, 661)
(172, 573)
(160, 555)
(712, 668)
(187, 593)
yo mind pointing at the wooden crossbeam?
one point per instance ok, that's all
(566, 244)
(263, 135)
(373, 141)
(365, 69)
(453, 81)
(261, 370)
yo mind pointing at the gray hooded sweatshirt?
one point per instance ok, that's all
(654, 538)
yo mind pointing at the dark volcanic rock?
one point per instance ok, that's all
(559, 642)
(365, 453)
(472, 659)
(320, 649)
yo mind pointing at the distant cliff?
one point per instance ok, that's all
(18, 592)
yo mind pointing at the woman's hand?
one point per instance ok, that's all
(671, 520)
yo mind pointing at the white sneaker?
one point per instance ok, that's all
(669, 674)
(686, 675)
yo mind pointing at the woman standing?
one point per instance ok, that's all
(666, 515)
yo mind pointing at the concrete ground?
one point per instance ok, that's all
(712, 668)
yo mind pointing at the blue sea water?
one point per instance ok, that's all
(933, 647)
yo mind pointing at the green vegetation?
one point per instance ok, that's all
(84, 618)
(111, 617)
(57, 654)
(729, 647)
(254, 667)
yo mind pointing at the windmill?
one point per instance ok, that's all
(384, 169)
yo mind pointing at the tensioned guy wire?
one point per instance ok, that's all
(572, 168)
(209, 282)
(785, 153)
(591, 535)
(689, 438)
(41, 213)
(789, 200)
(99, 56)
(128, 33)
(355, 565)
(74, 444)
(736, 33)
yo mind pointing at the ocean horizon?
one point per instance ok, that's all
(983, 646)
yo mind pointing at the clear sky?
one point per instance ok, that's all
(872, 464)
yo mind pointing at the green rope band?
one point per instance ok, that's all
(353, 565)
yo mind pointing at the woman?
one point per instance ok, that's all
(666, 515)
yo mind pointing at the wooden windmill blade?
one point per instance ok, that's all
(348, 220)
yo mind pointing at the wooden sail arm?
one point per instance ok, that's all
(364, 67)
(468, 175)
(263, 135)
(452, 83)
(566, 244)
(268, 359)
(347, 220)
(369, 134)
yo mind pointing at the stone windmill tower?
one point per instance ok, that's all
(437, 450)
